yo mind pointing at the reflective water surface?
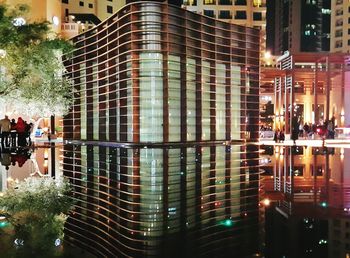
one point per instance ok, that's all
(165, 202)
(310, 215)
(199, 202)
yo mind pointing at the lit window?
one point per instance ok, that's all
(313, 2)
(326, 11)
(209, 1)
(190, 2)
(257, 3)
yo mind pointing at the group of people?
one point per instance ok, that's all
(326, 130)
(279, 136)
(15, 133)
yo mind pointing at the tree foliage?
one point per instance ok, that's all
(30, 67)
(37, 209)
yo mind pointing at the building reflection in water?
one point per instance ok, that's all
(137, 202)
(311, 215)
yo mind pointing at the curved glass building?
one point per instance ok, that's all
(161, 139)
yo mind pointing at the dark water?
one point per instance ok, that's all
(310, 215)
(201, 202)
(17, 164)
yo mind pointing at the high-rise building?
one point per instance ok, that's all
(69, 17)
(163, 133)
(300, 26)
(102, 9)
(250, 13)
(340, 26)
(41, 10)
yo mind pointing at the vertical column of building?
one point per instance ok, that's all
(184, 130)
(342, 94)
(101, 101)
(135, 153)
(315, 90)
(166, 50)
(212, 54)
(328, 87)
(253, 105)
(113, 79)
(228, 119)
(244, 120)
(199, 130)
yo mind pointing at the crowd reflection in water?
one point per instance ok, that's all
(310, 215)
(14, 156)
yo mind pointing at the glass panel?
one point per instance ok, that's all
(220, 182)
(205, 100)
(151, 191)
(235, 180)
(83, 105)
(95, 110)
(220, 120)
(151, 97)
(191, 99)
(174, 190)
(191, 186)
(235, 102)
(174, 101)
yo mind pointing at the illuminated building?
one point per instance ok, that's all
(242, 12)
(42, 10)
(162, 134)
(292, 84)
(301, 26)
(340, 26)
(69, 17)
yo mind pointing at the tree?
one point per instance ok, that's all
(37, 209)
(30, 65)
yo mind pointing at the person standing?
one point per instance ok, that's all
(13, 133)
(295, 129)
(21, 128)
(5, 125)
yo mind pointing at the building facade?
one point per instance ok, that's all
(69, 17)
(250, 13)
(290, 87)
(163, 134)
(313, 88)
(340, 26)
(301, 26)
(41, 10)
